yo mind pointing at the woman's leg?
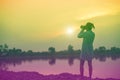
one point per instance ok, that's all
(90, 68)
(82, 67)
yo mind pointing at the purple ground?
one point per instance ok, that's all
(9, 75)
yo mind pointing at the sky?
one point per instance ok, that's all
(39, 24)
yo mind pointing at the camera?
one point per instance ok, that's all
(83, 27)
(88, 26)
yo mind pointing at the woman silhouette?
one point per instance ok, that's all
(87, 47)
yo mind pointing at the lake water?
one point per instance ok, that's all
(101, 69)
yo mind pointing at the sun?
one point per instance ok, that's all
(70, 31)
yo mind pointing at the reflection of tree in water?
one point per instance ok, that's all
(71, 61)
(4, 63)
(52, 61)
(3, 66)
(16, 57)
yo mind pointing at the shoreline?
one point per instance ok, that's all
(10, 75)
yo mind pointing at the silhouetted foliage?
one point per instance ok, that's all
(115, 49)
(51, 49)
(102, 49)
(5, 46)
(3, 49)
(70, 49)
(16, 56)
(29, 51)
(100, 53)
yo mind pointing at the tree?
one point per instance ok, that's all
(29, 51)
(115, 49)
(70, 48)
(102, 49)
(51, 49)
(5, 49)
(5, 46)
(1, 48)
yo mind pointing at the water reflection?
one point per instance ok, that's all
(71, 60)
(3, 66)
(5, 62)
(52, 60)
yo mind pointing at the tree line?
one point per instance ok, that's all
(16, 56)
(98, 52)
